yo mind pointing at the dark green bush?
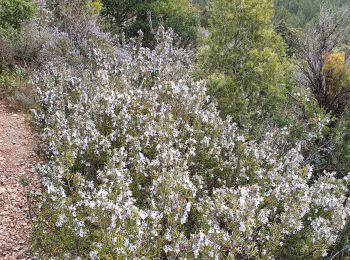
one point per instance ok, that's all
(134, 15)
(13, 13)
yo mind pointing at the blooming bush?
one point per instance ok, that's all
(140, 165)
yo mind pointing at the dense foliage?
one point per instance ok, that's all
(244, 60)
(13, 13)
(299, 13)
(135, 15)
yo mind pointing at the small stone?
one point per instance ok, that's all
(14, 142)
(16, 248)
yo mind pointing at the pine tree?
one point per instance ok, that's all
(244, 59)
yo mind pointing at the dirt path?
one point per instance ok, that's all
(17, 160)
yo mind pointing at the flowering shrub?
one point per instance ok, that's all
(140, 165)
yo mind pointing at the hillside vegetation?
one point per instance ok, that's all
(185, 130)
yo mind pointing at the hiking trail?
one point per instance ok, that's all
(17, 161)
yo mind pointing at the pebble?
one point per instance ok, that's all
(16, 248)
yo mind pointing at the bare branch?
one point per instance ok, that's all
(320, 39)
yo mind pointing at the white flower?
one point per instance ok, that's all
(62, 219)
(242, 227)
(93, 255)
(168, 235)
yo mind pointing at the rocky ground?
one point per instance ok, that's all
(17, 161)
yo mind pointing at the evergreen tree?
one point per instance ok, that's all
(245, 60)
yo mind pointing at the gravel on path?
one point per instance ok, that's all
(17, 162)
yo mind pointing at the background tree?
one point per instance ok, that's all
(322, 69)
(13, 13)
(76, 18)
(245, 60)
(132, 16)
(204, 12)
(298, 13)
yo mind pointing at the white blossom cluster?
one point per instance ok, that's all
(141, 166)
